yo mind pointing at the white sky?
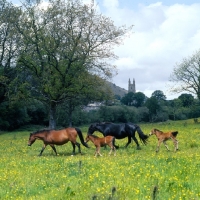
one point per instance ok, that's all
(164, 33)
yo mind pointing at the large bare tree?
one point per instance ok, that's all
(186, 75)
(66, 49)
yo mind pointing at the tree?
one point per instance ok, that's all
(9, 50)
(128, 98)
(139, 99)
(9, 45)
(186, 75)
(65, 51)
(153, 105)
(186, 99)
(133, 99)
(175, 105)
(159, 95)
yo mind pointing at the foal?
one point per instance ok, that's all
(100, 142)
(163, 137)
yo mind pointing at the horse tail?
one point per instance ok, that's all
(142, 136)
(174, 133)
(113, 143)
(81, 137)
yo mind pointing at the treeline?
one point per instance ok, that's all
(153, 109)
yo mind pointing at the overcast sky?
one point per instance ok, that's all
(164, 33)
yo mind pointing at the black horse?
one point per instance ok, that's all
(119, 131)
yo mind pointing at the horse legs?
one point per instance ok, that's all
(79, 147)
(175, 144)
(43, 148)
(73, 145)
(129, 141)
(95, 154)
(158, 146)
(164, 142)
(53, 147)
(97, 151)
(112, 148)
(136, 141)
(114, 151)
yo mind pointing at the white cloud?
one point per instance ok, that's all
(110, 3)
(162, 36)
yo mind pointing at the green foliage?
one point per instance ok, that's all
(64, 52)
(132, 174)
(128, 99)
(143, 114)
(186, 99)
(133, 99)
(195, 111)
(118, 114)
(12, 117)
(37, 113)
(159, 95)
(153, 105)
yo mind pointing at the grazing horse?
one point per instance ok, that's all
(58, 137)
(119, 131)
(163, 137)
(100, 142)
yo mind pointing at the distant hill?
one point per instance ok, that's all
(117, 90)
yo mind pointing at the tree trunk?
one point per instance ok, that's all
(52, 115)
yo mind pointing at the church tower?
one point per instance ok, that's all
(131, 86)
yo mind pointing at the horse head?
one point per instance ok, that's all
(87, 138)
(93, 127)
(32, 139)
(153, 131)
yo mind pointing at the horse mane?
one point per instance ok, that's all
(158, 130)
(39, 131)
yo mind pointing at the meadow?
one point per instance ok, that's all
(131, 174)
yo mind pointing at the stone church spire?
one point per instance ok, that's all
(131, 86)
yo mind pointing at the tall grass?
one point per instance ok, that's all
(132, 174)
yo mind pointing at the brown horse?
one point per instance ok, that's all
(58, 137)
(100, 142)
(163, 137)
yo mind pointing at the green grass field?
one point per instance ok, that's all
(132, 174)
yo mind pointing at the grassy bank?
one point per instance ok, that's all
(132, 174)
